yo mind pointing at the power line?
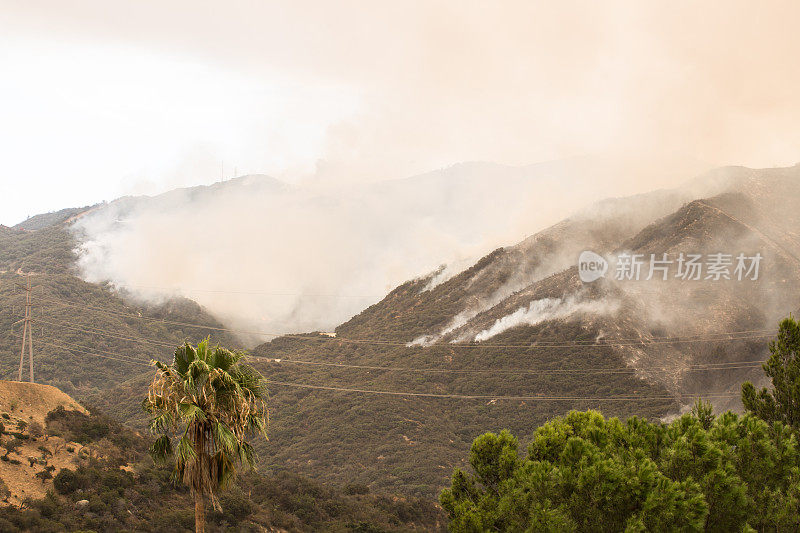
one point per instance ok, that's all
(702, 337)
(139, 317)
(97, 355)
(115, 354)
(489, 397)
(440, 395)
(732, 365)
(431, 395)
(258, 292)
(106, 333)
(632, 340)
(126, 359)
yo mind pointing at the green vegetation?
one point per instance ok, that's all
(74, 426)
(583, 472)
(98, 495)
(204, 405)
(782, 403)
(701, 472)
(48, 250)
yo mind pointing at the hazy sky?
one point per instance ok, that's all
(104, 98)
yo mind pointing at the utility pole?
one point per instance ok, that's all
(27, 333)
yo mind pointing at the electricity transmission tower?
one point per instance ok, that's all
(27, 333)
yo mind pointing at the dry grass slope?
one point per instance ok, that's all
(30, 458)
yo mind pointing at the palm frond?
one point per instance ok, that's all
(202, 349)
(224, 470)
(198, 370)
(184, 355)
(185, 452)
(246, 455)
(251, 379)
(160, 422)
(223, 359)
(257, 424)
(190, 412)
(161, 449)
(226, 439)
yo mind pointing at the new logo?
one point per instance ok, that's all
(591, 266)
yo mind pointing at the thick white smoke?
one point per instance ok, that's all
(269, 257)
(547, 309)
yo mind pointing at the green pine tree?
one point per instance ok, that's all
(782, 403)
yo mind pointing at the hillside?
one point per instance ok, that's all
(740, 217)
(23, 412)
(413, 442)
(84, 471)
(435, 322)
(508, 342)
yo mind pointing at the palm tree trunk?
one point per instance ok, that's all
(199, 513)
(199, 510)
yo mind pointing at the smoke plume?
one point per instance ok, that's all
(269, 257)
(547, 309)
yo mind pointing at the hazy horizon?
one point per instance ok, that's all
(96, 104)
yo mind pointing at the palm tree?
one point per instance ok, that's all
(203, 406)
